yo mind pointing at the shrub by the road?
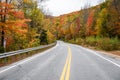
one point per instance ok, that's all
(99, 43)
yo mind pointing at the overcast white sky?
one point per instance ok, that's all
(59, 7)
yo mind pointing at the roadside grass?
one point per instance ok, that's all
(102, 43)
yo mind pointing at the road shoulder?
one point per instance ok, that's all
(112, 54)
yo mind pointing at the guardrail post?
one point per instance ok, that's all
(5, 60)
(1, 61)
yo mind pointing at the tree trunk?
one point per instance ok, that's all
(2, 37)
(3, 20)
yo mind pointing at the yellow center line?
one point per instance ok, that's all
(66, 70)
(69, 65)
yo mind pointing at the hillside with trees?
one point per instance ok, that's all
(24, 25)
(98, 26)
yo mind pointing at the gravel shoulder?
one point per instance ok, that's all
(113, 54)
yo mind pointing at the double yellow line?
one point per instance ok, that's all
(66, 70)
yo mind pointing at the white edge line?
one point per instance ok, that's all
(28, 59)
(102, 57)
(99, 55)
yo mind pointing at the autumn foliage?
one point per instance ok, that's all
(12, 23)
(99, 21)
(23, 25)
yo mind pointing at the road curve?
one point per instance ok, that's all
(64, 62)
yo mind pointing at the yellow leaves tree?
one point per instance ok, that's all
(101, 26)
(51, 38)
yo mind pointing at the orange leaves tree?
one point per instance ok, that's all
(89, 23)
(12, 21)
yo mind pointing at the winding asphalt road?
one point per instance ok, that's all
(64, 62)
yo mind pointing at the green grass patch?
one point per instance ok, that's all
(103, 43)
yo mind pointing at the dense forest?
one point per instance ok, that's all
(24, 25)
(20, 24)
(98, 26)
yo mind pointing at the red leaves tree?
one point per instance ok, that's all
(89, 23)
(10, 17)
(78, 25)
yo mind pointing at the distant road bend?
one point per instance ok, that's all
(64, 62)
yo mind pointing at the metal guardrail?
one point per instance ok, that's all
(7, 54)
